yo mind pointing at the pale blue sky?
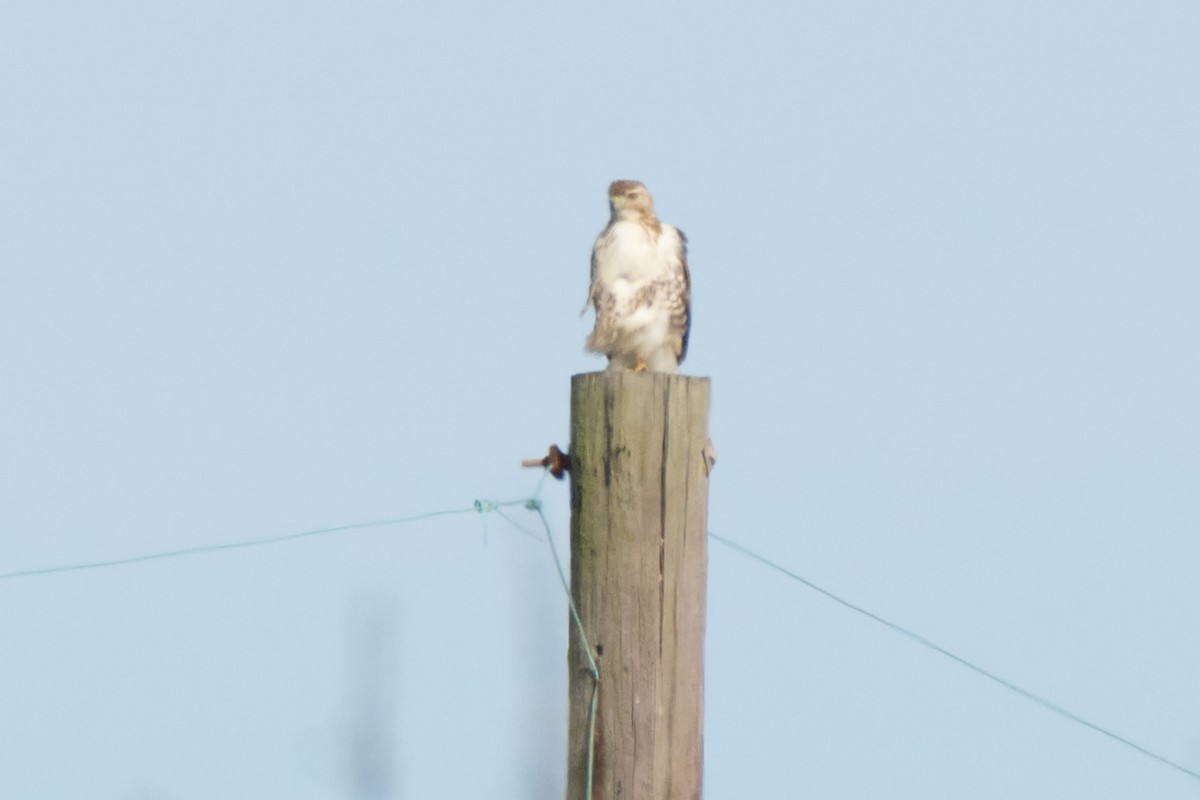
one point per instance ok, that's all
(272, 267)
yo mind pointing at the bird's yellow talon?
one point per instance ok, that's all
(640, 366)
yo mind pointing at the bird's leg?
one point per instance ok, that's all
(640, 366)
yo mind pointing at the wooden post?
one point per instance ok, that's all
(639, 565)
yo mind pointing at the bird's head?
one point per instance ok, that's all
(630, 199)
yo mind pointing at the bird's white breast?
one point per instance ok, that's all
(628, 253)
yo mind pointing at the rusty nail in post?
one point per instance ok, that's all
(556, 461)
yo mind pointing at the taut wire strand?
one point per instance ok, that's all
(535, 505)
(921, 640)
(213, 548)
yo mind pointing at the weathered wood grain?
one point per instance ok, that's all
(639, 563)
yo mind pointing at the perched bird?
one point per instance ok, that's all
(640, 286)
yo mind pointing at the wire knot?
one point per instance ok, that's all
(484, 506)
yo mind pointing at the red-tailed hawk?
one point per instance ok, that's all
(640, 288)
